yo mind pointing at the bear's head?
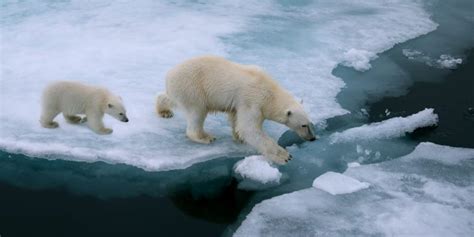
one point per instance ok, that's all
(298, 121)
(116, 109)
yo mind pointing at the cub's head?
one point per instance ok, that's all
(298, 121)
(116, 109)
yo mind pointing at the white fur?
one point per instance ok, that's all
(74, 98)
(213, 84)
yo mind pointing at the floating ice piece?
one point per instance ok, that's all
(444, 60)
(257, 168)
(448, 61)
(408, 197)
(336, 183)
(411, 54)
(394, 127)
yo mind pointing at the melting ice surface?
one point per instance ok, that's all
(129, 48)
(425, 193)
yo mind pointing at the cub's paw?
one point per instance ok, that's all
(105, 131)
(166, 114)
(73, 119)
(279, 156)
(50, 124)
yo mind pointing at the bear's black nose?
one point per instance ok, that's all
(125, 120)
(313, 139)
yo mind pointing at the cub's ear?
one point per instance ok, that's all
(110, 106)
(288, 113)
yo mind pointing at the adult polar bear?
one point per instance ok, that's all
(249, 96)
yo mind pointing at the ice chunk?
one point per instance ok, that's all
(358, 59)
(336, 183)
(257, 168)
(390, 128)
(409, 196)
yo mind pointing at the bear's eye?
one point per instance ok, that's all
(304, 126)
(121, 114)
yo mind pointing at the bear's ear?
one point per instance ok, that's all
(288, 113)
(110, 106)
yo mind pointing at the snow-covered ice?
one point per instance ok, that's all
(390, 128)
(128, 47)
(257, 168)
(336, 183)
(419, 194)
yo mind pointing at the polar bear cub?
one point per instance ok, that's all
(249, 96)
(74, 98)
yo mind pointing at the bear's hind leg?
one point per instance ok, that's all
(195, 129)
(73, 119)
(47, 117)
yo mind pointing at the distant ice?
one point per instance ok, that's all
(444, 154)
(448, 61)
(257, 168)
(353, 164)
(336, 183)
(409, 196)
(444, 61)
(390, 128)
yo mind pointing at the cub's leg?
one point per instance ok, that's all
(94, 121)
(195, 129)
(73, 119)
(47, 118)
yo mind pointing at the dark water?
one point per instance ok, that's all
(453, 101)
(63, 198)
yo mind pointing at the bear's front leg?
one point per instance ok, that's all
(249, 126)
(94, 121)
(233, 123)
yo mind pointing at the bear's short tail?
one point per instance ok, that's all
(164, 106)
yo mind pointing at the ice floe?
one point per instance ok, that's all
(390, 128)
